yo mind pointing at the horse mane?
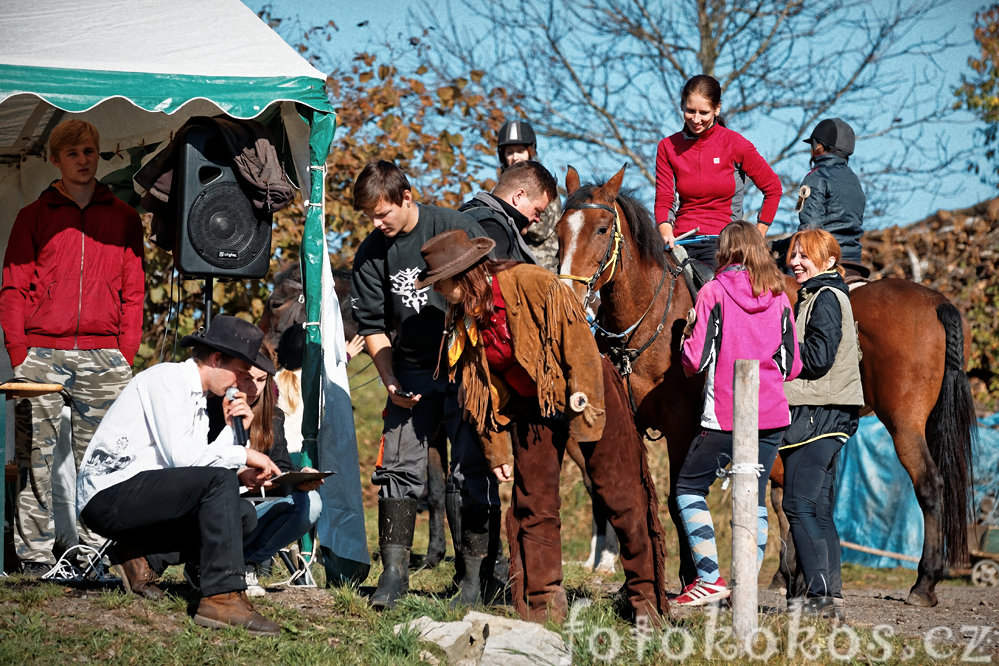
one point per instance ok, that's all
(643, 230)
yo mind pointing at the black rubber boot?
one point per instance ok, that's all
(396, 520)
(474, 552)
(452, 506)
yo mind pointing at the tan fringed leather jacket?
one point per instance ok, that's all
(553, 342)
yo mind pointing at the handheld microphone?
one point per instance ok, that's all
(237, 421)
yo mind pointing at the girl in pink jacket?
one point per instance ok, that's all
(742, 314)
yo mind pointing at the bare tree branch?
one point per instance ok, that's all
(603, 77)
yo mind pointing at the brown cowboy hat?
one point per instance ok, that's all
(232, 336)
(450, 253)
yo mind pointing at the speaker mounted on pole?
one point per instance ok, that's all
(219, 233)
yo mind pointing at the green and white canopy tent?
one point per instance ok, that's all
(137, 70)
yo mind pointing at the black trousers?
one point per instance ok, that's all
(809, 500)
(187, 509)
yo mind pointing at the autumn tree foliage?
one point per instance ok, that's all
(442, 136)
(979, 92)
(441, 133)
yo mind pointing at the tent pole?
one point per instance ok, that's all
(340, 530)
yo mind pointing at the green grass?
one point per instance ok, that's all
(47, 623)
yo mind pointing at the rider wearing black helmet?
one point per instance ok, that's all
(516, 142)
(830, 196)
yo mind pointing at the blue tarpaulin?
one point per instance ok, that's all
(875, 502)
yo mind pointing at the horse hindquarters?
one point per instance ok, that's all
(941, 483)
(921, 395)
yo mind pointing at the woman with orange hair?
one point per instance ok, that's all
(825, 400)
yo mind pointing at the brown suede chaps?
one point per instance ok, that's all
(621, 479)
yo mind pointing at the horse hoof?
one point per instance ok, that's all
(920, 599)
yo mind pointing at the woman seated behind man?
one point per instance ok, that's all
(280, 520)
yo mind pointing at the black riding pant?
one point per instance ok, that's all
(165, 510)
(809, 496)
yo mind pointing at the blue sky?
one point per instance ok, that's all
(388, 20)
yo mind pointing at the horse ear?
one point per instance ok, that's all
(571, 180)
(613, 186)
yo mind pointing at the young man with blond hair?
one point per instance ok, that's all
(71, 312)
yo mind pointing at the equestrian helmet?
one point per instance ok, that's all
(514, 132)
(836, 135)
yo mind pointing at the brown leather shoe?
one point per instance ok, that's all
(233, 609)
(139, 578)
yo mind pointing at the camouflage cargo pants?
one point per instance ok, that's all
(92, 379)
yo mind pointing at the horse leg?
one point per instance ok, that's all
(910, 444)
(783, 576)
(603, 540)
(436, 464)
(677, 447)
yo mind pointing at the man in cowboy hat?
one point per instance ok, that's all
(385, 301)
(148, 481)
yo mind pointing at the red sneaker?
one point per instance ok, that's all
(700, 593)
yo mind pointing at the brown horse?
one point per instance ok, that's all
(914, 351)
(285, 307)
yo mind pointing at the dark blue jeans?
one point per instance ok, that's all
(408, 433)
(809, 496)
(711, 450)
(165, 510)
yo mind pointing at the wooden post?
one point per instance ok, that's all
(745, 498)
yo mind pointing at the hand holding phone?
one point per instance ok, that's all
(403, 394)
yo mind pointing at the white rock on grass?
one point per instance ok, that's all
(490, 640)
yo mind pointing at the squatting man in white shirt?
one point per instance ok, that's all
(149, 482)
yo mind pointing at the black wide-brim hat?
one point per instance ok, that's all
(264, 362)
(450, 253)
(234, 337)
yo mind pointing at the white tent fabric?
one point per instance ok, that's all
(137, 70)
(179, 37)
(122, 65)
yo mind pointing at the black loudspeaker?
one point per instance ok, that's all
(219, 233)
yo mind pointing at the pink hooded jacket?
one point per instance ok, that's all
(733, 324)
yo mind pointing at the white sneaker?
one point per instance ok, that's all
(253, 586)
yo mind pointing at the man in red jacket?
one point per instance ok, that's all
(71, 312)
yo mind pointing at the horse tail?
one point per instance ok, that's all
(950, 430)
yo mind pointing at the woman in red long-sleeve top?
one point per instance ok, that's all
(701, 174)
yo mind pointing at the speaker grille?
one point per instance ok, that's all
(223, 228)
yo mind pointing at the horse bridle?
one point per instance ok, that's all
(619, 351)
(612, 254)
